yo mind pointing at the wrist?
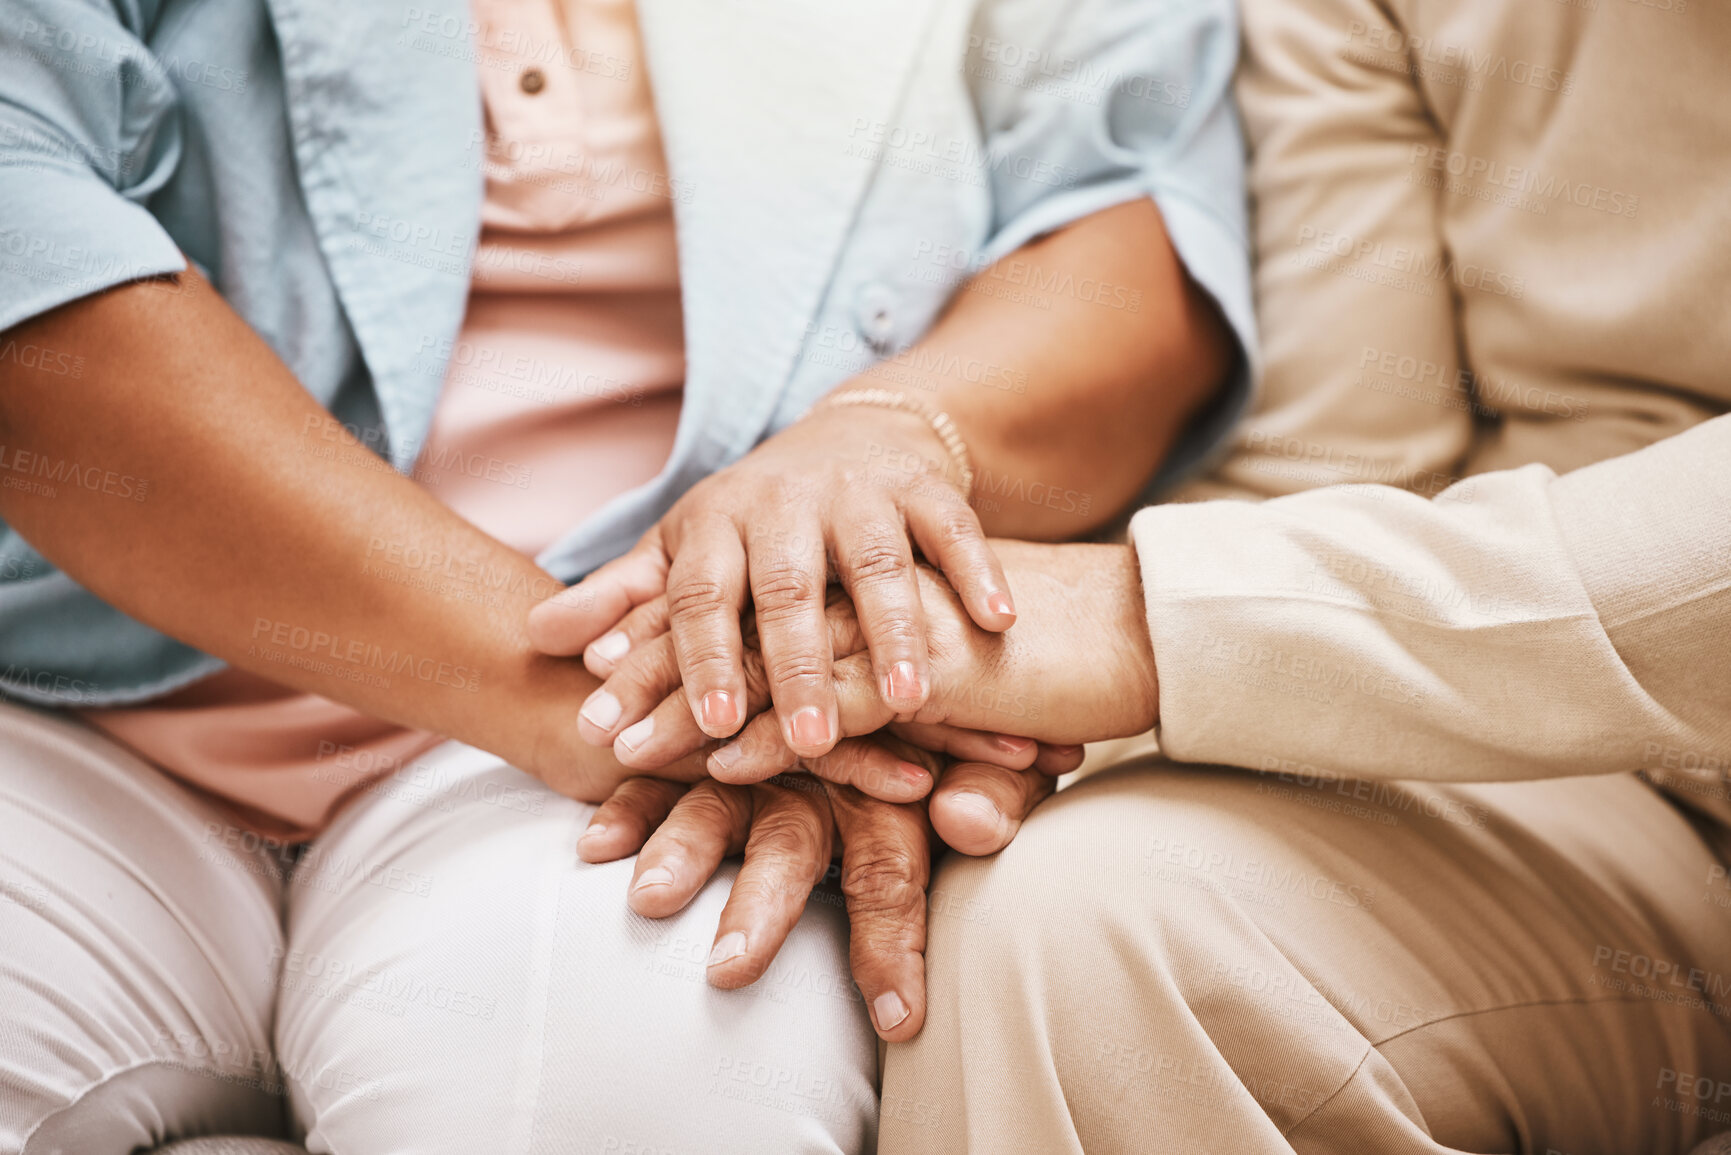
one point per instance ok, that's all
(1128, 612)
(919, 438)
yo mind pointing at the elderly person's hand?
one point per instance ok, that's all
(789, 829)
(1078, 667)
(769, 526)
(642, 693)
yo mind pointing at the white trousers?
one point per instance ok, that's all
(437, 973)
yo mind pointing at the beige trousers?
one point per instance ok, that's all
(1182, 959)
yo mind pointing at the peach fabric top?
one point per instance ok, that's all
(563, 388)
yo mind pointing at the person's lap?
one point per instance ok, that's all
(451, 978)
(454, 970)
(1191, 958)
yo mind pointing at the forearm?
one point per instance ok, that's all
(267, 536)
(1069, 368)
(1519, 625)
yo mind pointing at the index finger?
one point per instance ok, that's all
(568, 621)
(705, 593)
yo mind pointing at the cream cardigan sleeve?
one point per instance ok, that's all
(1517, 625)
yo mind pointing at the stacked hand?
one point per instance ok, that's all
(882, 715)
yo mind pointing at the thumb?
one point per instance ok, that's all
(567, 622)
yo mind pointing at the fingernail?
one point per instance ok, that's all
(729, 946)
(810, 727)
(596, 830)
(654, 876)
(904, 682)
(890, 1010)
(602, 710)
(1010, 744)
(980, 808)
(611, 647)
(634, 736)
(718, 711)
(724, 757)
(913, 772)
(999, 603)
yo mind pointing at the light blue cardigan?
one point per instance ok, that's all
(834, 168)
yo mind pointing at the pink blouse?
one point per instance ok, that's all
(563, 388)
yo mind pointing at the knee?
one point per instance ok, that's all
(1090, 873)
(566, 1014)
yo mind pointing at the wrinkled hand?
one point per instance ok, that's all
(787, 829)
(1077, 668)
(640, 711)
(768, 526)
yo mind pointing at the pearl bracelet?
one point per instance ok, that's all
(942, 424)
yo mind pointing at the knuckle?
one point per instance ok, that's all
(695, 597)
(780, 586)
(713, 808)
(797, 669)
(879, 559)
(880, 882)
(957, 525)
(782, 839)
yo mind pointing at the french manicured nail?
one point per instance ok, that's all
(602, 710)
(980, 808)
(729, 946)
(1010, 744)
(904, 682)
(611, 647)
(718, 711)
(890, 1010)
(723, 758)
(810, 727)
(654, 876)
(999, 603)
(633, 737)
